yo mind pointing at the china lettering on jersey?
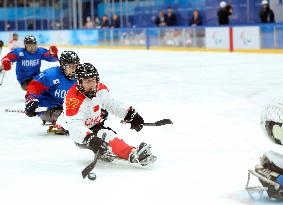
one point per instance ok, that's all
(92, 121)
(60, 93)
(34, 62)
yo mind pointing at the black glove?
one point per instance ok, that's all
(135, 119)
(31, 105)
(95, 143)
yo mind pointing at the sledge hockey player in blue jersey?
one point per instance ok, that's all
(49, 89)
(28, 60)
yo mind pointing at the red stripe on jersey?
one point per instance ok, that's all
(35, 87)
(120, 148)
(10, 56)
(101, 86)
(73, 101)
(46, 54)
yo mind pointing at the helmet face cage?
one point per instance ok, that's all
(86, 71)
(67, 58)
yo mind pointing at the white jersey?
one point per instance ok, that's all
(15, 44)
(81, 113)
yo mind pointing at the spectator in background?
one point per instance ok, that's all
(89, 23)
(196, 19)
(223, 13)
(115, 21)
(171, 17)
(30, 25)
(97, 23)
(161, 19)
(1, 46)
(266, 14)
(14, 42)
(105, 22)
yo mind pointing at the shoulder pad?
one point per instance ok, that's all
(73, 101)
(101, 86)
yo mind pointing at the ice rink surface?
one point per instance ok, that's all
(214, 100)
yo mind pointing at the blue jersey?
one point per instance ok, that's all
(50, 87)
(28, 65)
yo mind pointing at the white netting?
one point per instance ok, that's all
(271, 112)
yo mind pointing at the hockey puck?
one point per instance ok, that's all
(91, 176)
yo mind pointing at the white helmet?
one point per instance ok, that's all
(222, 4)
(264, 2)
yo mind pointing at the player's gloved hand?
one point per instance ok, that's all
(94, 143)
(53, 50)
(6, 64)
(135, 119)
(31, 105)
(1, 44)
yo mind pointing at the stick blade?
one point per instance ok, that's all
(88, 169)
(163, 122)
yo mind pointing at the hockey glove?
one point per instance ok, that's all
(6, 64)
(94, 143)
(53, 50)
(31, 105)
(1, 44)
(135, 119)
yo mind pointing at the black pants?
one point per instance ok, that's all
(25, 83)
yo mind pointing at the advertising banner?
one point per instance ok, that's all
(217, 37)
(246, 37)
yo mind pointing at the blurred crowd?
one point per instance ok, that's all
(225, 10)
(104, 22)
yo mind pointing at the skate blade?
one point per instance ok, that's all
(148, 160)
(57, 132)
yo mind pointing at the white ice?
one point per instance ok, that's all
(214, 100)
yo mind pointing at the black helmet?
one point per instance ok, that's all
(86, 71)
(29, 40)
(68, 57)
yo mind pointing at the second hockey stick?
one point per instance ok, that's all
(39, 109)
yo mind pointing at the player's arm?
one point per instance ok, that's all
(128, 114)
(50, 55)
(34, 89)
(8, 59)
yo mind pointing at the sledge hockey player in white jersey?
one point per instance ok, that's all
(270, 169)
(86, 107)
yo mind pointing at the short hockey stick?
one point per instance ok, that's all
(157, 123)
(39, 109)
(90, 167)
(2, 77)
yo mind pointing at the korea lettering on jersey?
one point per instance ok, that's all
(28, 65)
(82, 113)
(50, 87)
